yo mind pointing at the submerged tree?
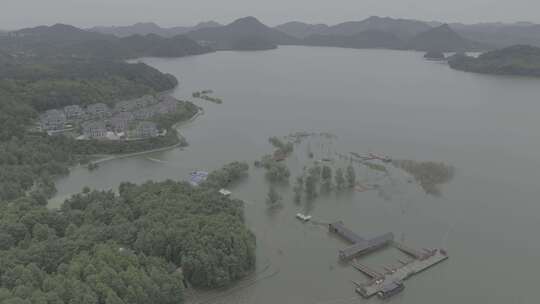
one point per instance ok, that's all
(311, 187)
(351, 176)
(273, 199)
(298, 189)
(326, 175)
(278, 172)
(340, 179)
(315, 172)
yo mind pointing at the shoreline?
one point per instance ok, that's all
(105, 158)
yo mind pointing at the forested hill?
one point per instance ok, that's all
(244, 33)
(145, 28)
(53, 66)
(516, 60)
(402, 28)
(442, 39)
(365, 39)
(140, 246)
(30, 84)
(62, 40)
(46, 85)
(137, 247)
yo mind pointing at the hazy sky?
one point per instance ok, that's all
(84, 13)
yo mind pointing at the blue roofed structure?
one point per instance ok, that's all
(197, 177)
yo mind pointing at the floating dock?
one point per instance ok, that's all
(384, 285)
(391, 282)
(360, 245)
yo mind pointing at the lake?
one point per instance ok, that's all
(390, 102)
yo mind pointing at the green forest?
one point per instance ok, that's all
(28, 160)
(519, 60)
(140, 246)
(45, 84)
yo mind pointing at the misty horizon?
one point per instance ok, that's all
(162, 25)
(168, 13)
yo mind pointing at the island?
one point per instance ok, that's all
(521, 60)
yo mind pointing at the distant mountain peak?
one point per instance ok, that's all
(146, 23)
(60, 31)
(249, 20)
(210, 23)
(445, 27)
(58, 27)
(443, 39)
(243, 33)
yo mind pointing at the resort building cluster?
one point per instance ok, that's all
(127, 120)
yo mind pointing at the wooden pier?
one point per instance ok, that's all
(373, 274)
(410, 251)
(392, 282)
(360, 245)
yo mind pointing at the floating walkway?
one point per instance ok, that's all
(360, 245)
(390, 283)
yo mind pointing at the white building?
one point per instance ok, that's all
(98, 110)
(94, 129)
(53, 120)
(146, 129)
(120, 122)
(73, 112)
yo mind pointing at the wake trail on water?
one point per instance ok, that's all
(158, 160)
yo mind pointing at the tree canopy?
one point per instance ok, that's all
(29, 160)
(135, 247)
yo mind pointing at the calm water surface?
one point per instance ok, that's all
(386, 101)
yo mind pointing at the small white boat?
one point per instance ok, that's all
(303, 217)
(225, 192)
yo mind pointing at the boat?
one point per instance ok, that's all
(225, 192)
(303, 217)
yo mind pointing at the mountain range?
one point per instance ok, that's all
(61, 40)
(443, 39)
(145, 28)
(250, 33)
(401, 28)
(149, 39)
(242, 34)
(361, 40)
(483, 35)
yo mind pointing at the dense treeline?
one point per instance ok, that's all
(45, 85)
(516, 60)
(135, 247)
(139, 246)
(28, 161)
(65, 41)
(185, 111)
